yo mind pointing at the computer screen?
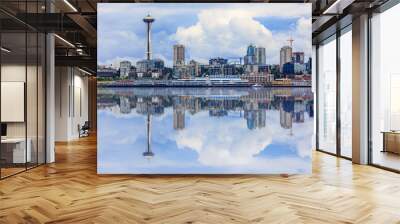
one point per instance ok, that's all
(3, 129)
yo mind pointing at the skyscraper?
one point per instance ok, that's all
(179, 55)
(286, 56)
(251, 57)
(260, 54)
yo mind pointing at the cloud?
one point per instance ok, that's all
(222, 143)
(208, 30)
(228, 33)
(227, 142)
(119, 44)
(223, 33)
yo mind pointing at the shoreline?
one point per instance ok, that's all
(198, 86)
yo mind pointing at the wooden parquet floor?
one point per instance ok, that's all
(70, 191)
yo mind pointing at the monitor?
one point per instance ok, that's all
(3, 129)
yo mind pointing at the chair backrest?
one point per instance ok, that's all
(86, 125)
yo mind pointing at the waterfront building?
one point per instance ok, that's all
(299, 68)
(193, 68)
(229, 70)
(142, 66)
(124, 69)
(263, 68)
(260, 55)
(181, 72)
(215, 71)
(288, 68)
(251, 57)
(308, 65)
(203, 70)
(298, 57)
(105, 72)
(219, 68)
(132, 72)
(179, 55)
(285, 56)
(218, 61)
(274, 70)
(251, 68)
(150, 68)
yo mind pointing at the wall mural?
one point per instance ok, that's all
(216, 88)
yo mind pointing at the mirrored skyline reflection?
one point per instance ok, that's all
(204, 130)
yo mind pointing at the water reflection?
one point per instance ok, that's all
(204, 130)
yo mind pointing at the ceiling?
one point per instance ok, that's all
(75, 21)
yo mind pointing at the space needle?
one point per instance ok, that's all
(148, 20)
(148, 154)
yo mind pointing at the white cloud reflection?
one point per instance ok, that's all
(222, 145)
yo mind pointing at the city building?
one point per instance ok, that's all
(230, 70)
(298, 57)
(309, 66)
(194, 68)
(299, 68)
(218, 61)
(179, 55)
(108, 73)
(285, 56)
(251, 68)
(288, 69)
(124, 69)
(149, 68)
(274, 70)
(132, 73)
(261, 57)
(251, 56)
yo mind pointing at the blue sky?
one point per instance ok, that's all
(207, 30)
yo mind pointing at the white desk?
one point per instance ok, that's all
(19, 153)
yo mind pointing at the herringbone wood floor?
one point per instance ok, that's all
(70, 191)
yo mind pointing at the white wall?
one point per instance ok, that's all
(33, 125)
(11, 73)
(71, 102)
